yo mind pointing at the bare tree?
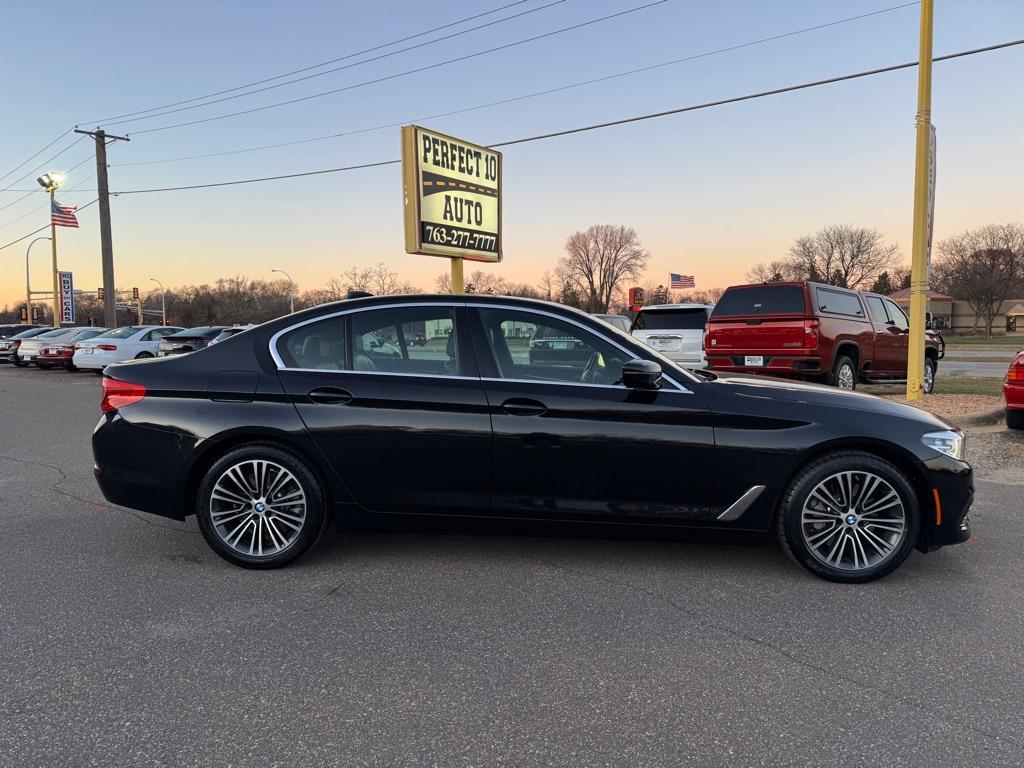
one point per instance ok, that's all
(379, 280)
(774, 271)
(700, 296)
(984, 267)
(843, 255)
(598, 260)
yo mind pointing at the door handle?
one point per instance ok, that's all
(522, 406)
(330, 396)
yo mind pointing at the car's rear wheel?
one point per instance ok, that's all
(849, 517)
(1014, 419)
(260, 506)
(844, 373)
(143, 356)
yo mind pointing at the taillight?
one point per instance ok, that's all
(107, 347)
(1016, 373)
(811, 334)
(118, 394)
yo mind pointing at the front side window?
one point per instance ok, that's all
(410, 340)
(534, 347)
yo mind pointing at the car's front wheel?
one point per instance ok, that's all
(260, 506)
(849, 517)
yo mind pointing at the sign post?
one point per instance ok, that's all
(67, 299)
(452, 199)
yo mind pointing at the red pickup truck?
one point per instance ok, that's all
(814, 331)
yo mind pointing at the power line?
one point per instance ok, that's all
(45, 226)
(31, 157)
(610, 123)
(534, 94)
(345, 66)
(408, 71)
(312, 66)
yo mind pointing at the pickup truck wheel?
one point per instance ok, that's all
(844, 373)
(929, 375)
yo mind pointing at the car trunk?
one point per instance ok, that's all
(761, 319)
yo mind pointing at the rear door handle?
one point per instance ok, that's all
(522, 406)
(331, 396)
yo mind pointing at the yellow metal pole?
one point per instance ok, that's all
(56, 282)
(457, 283)
(919, 254)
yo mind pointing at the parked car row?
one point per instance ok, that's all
(91, 348)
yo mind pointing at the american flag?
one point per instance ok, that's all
(63, 215)
(681, 281)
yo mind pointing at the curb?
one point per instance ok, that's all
(978, 419)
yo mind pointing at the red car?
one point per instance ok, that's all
(1013, 391)
(60, 354)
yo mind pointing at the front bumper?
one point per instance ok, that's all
(947, 510)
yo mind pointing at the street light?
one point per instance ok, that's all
(51, 181)
(163, 301)
(28, 282)
(291, 290)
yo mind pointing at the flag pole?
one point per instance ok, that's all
(56, 285)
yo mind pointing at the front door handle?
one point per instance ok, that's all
(331, 396)
(523, 406)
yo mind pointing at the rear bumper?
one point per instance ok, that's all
(140, 467)
(1014, 394)
(93, 361)
(774, 364)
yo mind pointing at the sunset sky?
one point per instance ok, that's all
(710, 192)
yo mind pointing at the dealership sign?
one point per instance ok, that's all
(452, 196)
(636, 299)
(67, 298)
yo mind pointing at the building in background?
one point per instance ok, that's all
(956, 315)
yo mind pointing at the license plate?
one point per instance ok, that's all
(753, 360)
(560, 345)
(85, 351)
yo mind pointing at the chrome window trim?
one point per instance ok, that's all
(272, 345)
(382, 373)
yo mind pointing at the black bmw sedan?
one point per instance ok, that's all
(275, 434)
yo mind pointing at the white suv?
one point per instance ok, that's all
(674, 330)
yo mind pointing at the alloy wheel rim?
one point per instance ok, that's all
(258, 508)
(846, 377)
(929, 378)
(853, 521)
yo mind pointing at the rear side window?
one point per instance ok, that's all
(761, 300)
(839, 303)
(671, 319)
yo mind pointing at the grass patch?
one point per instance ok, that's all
(955, 385)
(981, 341)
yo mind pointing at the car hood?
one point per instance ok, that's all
(821, 395)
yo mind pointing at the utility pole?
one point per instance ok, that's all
(919, 248)
(106, 242)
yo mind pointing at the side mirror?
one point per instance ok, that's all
(641, 374)
(928, 320)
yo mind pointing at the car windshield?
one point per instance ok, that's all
(761, 300)
(120, 333)
(681, 319)
(202, 330)
(30, 333)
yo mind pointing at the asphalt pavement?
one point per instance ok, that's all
(126, 642)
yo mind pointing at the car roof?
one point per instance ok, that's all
(666, 307)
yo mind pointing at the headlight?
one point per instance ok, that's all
(949, 443)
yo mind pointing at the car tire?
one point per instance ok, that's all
(844, 373)
(879, 531)
(928, 383)
(143, 356)
(238, 531)
(1014, 419)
